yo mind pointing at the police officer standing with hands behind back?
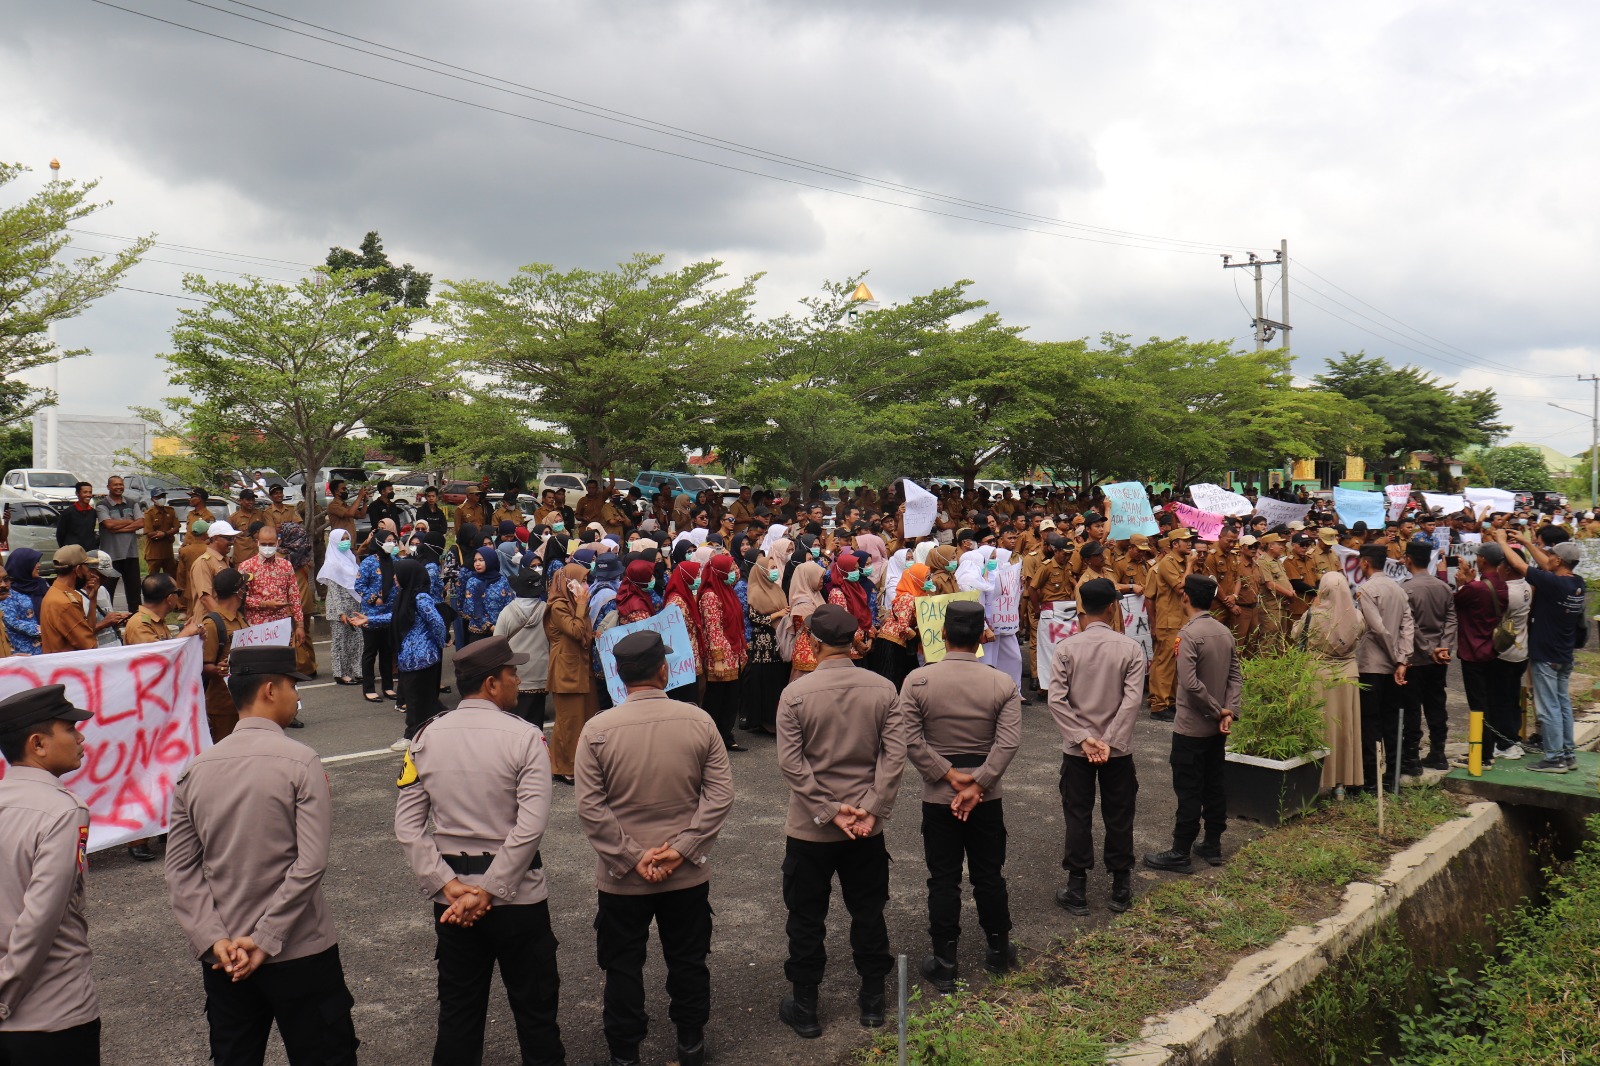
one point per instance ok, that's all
(49, 1013)
(483, 774)
(247, 850)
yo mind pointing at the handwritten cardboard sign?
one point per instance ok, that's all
(930, 622)
(921, 507)
(1129, 505)
(1217, 500)
(266, 635)
(680, 653)
(1278, 513)
(1206, 526)
(149, 709)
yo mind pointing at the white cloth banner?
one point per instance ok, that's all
(1278, 513)
(1490, 501)
(149, 707)
(1215, 499)
(1059, 620)
(1002, 604)
(1399, 498)
(266, 635)
(1588, 566)
(921, 506)
(1444, 502)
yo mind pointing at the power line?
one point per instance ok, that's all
(593, 110)
(634, 144)
(168, 262)
(152, 292)
(192, 248)
(1391, 339)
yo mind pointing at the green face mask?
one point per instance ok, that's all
(816, 553)
(951, 567)
(866, 572)
(732, 578)
(650, 586)
(557, 527)
(344, 545)
(694, 586)
(774, 575)
(853, 575)
(927, 586)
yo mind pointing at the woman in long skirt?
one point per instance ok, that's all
(338, 576)
(1330, 631)
(767, 673)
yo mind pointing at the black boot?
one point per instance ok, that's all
(1121, 890)
(871, 1001)
(1210, 851)
(1074, 899)
(692, 1055)
(1002, 954)
(940, 967)
(799, 1012)
(615, 1061)
(1437, 759)
(1173, 861)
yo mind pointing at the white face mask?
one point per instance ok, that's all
(267, 551)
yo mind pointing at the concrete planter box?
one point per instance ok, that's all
(1272, 791)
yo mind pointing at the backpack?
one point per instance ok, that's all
(1505, 632)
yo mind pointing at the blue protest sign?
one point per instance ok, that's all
(1129, 505)
(680, 653)
(1355, 506)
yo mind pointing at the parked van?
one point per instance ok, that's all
(35, 483)
(672, 483)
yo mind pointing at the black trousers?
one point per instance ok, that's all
(419, 691)
(530, 707)
(1380, 724)
(1423, 697)
(519, 939)
(1119, 785)
(78, 1046)
(1475, 682)
(722, 704)
(894, 661)
(1198, 764)
(622, 932)
(980, 841)
(808, 870)
(377, 656)
(306, 997)
(1505, 701)
(128, 571)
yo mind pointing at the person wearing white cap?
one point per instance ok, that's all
(202, 596)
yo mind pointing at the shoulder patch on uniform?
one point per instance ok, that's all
(83, 847)
(919, 681)
(408, 772)
(597, 738)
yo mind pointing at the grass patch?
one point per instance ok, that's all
(1081, 998)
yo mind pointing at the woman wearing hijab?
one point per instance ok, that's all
(454, 571)
(722, 629)
(509, 548)
(942, 564)
(376, 592)
(486, 594)
(571, 680)
(683, 589)
(605, 578)
(807, 549)
(21, 608)
(633, 592)
(767, 673)
(338, 576)
(1330, 631)
(846, 589)
(805, 596)
(522, 624)
(896, 645)
(419, 631)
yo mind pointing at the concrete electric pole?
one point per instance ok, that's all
(1264, 327)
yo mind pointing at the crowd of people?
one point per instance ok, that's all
(808, 620)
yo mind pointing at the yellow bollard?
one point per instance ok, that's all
(1475, 743)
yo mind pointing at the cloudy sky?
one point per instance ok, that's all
(1432, 164)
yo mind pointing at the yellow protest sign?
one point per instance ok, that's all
(930, 622)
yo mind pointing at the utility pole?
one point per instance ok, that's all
(1262, 326)
(1594, 437)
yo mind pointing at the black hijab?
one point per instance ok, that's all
(412, 578)
(466, 544)
(385, 561)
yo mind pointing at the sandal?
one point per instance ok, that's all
(391, 694)
(372, 697)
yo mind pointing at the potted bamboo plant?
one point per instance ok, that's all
(1276, 748)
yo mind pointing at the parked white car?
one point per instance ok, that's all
(37, 484)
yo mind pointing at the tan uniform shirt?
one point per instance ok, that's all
(197, 514)
(46, 974)
(960, 710)
(1097, 688)
(144, 628)
(62, 624)
(244, 545)
(1054, 581)
(202, 577)
(613, 518)
(742, 514)
(249, 843)
(1167, 585)
(468, 512)
(839, 741)
(279, 513)
(160, 529)
(219, 701)
(1091, 575)
(1325, 561)
(587, 510)
(342, 514)
(483, 775)
(502, 513)
(1209, 681)
(651, 772)
(193, 548)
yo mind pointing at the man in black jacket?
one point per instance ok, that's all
(77, 521)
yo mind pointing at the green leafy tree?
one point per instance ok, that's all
(402, 286)
(38, 286)
(1516, 467)
(297, 367)
(625, 366)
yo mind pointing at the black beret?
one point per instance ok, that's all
(1092, 549)
(641, 649)
(1056, 541)
(36, 705)
(833, 625)
(1093, 518)
(964, 611)
(483, 657)
(265, 660)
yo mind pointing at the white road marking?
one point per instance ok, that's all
(323, 684)
(327, 759)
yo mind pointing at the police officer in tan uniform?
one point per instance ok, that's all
(160, 534)
(842, 750)
(963, 722)
(483, 774)
(1167, 582)
(49, 1013)
(246, 853)
(198, 511)
(653, 788)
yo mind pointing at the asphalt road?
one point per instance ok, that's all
(150, 991)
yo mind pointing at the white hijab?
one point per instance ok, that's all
(897, 566)
(339, 567)
(972, 574)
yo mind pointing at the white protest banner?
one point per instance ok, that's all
(1350, 563)
(1355, 506)
(1136, 622)
(1003, 604)
(1399, 498)
(930, 622)
(1395, 570)
(1588, 566)
(1490, 501)
(1206, 526)
(266, 635)
(1444, 503)
(1441, 538)
(1218, 500)
(149, 707)
(1129, 505)
(921, 506)
(680, 653)
(1278, 513)
(1057, 622)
